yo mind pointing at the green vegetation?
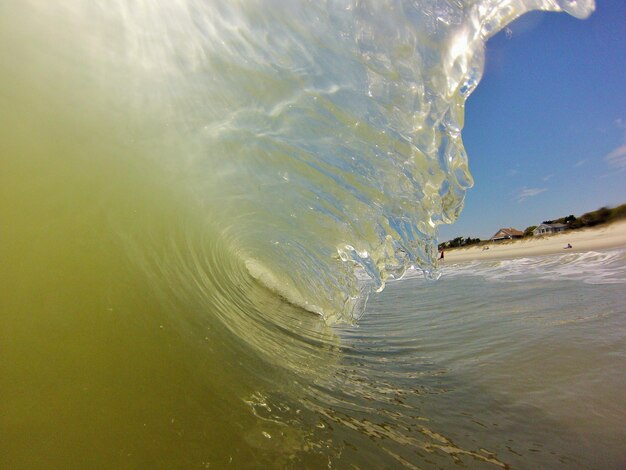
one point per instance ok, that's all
(459, 241)
(604, 215)
(528, 232)
(563, 220)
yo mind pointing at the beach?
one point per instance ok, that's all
(591, 239)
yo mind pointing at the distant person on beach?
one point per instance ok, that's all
(567, 246)
(441, 256)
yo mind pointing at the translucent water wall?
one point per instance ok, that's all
(319, 140)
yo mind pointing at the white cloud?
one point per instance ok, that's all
(617, 158)
(579, 163)
(548, 177)
(525, 193)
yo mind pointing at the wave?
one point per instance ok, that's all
(172, 171)
(315, 139)
(592, 267)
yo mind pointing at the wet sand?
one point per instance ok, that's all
(590, 239)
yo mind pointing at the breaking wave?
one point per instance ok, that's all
(168, 166)
(592, 267)
(320, 141)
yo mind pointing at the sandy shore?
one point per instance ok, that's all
(591, 239)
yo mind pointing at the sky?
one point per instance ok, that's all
(545, 131)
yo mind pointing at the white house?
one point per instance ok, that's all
(545, 229)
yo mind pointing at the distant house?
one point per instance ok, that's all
(545, 229)
(507, 234)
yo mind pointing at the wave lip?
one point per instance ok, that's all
(366, 139)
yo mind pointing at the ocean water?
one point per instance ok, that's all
(198, 197)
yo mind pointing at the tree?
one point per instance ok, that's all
(529, 231)
(459, 241)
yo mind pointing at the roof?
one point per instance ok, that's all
(508, 232)
(553, 226)
(511, 231)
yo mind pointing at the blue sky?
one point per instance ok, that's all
(545, 130)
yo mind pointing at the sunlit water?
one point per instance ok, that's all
(172, 172)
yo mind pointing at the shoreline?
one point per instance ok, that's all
(589, 239)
